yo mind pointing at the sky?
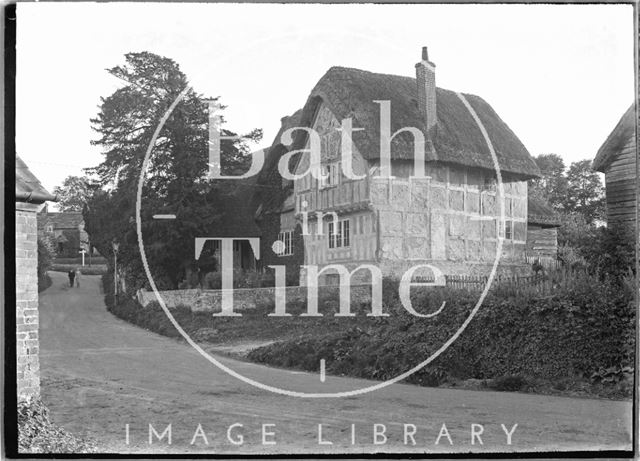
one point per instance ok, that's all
(560, 76)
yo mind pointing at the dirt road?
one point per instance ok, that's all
(100, 374)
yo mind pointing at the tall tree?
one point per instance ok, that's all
(74, 193)
(176, 178)
(585, 193)
(552, 186)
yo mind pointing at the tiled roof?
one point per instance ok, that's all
(541, 213)
(62, 220)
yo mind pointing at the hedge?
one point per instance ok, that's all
(84, 270)
(577, 333)
(583, 333)
(95, 260)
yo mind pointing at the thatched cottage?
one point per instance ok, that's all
(617, 159)
(449, 218)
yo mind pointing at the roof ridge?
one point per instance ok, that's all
(383, 74)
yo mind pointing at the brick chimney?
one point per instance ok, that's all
(426, 79)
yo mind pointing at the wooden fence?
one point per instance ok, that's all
(538, 285)
(548, 262)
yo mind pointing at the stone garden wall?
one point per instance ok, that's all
(243, 298)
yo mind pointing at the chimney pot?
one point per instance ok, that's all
(425, 54)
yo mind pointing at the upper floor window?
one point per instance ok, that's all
(286, 237)
(489, 183)
(49, 228)
(339, 235)
(330, 175)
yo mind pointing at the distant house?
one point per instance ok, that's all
(617, 159)
(30, 195)
(542, 232)
(65, 230)
(448, 219)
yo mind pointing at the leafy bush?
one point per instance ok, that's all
(86, 270)
(99, 260)
(586, 325)
(44, 282)
(509, 383)
(610, 252)
(44, 264)
(36, 433)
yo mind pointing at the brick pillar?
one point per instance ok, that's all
(27, 365)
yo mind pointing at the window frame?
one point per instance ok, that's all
(508, 229)
(342, 237)
(286, 237)
(333, 176)
(490, 184)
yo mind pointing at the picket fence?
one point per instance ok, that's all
(542, 284)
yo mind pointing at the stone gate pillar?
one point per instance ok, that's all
(30, 195)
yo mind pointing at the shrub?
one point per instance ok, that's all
(508, 383)
(609, 251)
(99, 260)
(86, 270)
(44, 264)
(586, 325)
(36, 433)
(44, 283)
(212, 281)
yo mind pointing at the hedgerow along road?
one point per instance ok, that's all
(100, 374)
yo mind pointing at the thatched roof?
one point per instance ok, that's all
(540, 213)
(271, 188)
(237, 217)
(28, 187)
(625, 129)
(457, 138)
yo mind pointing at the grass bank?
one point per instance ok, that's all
(580, 340)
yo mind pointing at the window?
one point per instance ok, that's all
(286, 237)
(508, 230)
(330, 175)
(339, 235)
(489, 183)
(456, 177)
(49, 228)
